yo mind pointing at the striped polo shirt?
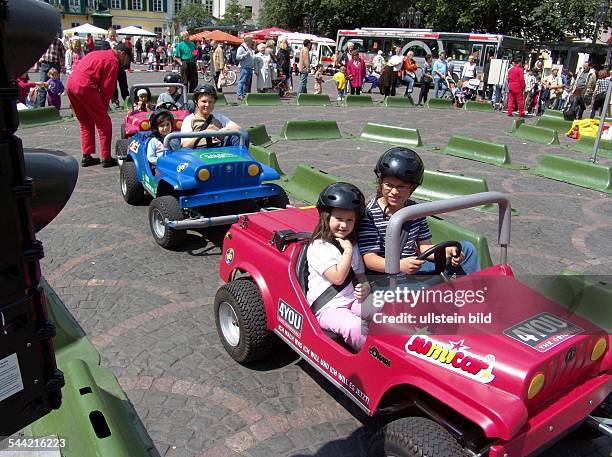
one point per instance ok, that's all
(373, 230)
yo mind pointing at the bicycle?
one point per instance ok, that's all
(230, 76)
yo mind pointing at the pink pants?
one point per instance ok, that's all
(345, 321)
(92, 112)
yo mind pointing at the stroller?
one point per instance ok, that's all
(281, 85)
(470, 88)
(448, 81)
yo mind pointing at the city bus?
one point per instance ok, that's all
(459, 46)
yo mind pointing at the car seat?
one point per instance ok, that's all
(301, 272)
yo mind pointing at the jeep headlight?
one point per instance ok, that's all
(535, 386)
(253, 170)
(203, 174)
(144, 125)
(599, 349)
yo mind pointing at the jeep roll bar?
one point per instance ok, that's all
(394, 229)
(206, 134)
(135, 87)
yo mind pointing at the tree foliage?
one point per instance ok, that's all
(194, 16)
(235, 14)
(534, 20)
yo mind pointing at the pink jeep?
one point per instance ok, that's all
(507, 393)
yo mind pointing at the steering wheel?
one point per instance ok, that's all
(439, 252)
(168, 105)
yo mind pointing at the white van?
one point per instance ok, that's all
(322, 50)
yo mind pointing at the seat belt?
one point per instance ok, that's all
(333, 289)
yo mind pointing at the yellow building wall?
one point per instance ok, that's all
(68, 19)
(145, 19)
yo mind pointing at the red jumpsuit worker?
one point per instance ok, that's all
(90, 88)
(516, 87)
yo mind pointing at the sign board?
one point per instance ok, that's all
(498, 71)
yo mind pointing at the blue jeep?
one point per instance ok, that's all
(185, 182)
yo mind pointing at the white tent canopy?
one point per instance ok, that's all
(135, 31)
(85, 29)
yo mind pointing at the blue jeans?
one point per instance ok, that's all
(437, 83)
(409, 85)
(234, 140)
(244, 81)
(470, 264)
(41, 93)
(303, 83)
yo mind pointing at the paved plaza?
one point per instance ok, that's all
(149, 312)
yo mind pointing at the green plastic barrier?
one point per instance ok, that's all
(481, 151)
(516, 123)
(589, 297)
(439, 103)
(379, 133)
(537, 134)
(553, 113)
(221, 100)
(358, 100)
(477, 106)
(310, 130)
(585, 144)
(38, 116)
(267, 157)
(258, 135)
(443, 230)
(578, 172)
(96, 418)
(307, 182)
(398, 102)
(255, 99)
(438, 185)
(555, 123)
(313, 100)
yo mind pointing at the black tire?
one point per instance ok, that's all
(281, 200)
(122, 131)
(166, 207)
(244, 299)
(131, 188)
(121, 149)
(414, 437)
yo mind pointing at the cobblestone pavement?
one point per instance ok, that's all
(149, 311)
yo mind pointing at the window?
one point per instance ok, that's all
(458, 50)
(178, 5)
(477, 52)
(74, 24)
(158, 5)
(90, 4)
(137, 4)
(248, 9)
(74, 3)
(157, 31)
(208, 5)
(116, 4)
(116, 26)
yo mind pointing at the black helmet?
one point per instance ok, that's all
(172, 78)
(153, 119)
(401, 163)
(342, 195)
(204, 89)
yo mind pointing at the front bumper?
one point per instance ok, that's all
(551, 423)
(229, 195)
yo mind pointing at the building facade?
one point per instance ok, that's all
(151, 15)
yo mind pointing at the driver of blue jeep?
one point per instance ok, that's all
(203, 119)
(399, 171)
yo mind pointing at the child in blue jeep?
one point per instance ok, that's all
(161, 125)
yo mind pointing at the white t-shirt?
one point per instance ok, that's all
(321, 255)
(155, 148)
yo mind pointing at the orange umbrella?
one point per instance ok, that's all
(217, 35)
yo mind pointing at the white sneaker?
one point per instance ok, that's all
(338, 99)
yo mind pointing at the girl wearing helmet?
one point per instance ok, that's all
(161, 125)
(336, 281)
(400, 171)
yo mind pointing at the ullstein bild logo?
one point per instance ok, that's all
(453, 356)
(290, 317)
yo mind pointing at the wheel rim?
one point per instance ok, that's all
(228, 321)
(123, 184)
(157, 223)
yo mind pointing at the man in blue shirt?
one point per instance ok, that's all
(245, 57)
(440, 70)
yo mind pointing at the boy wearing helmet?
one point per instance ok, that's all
(336, 282)
(203, 119)
(400, 171)
(173, 95)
